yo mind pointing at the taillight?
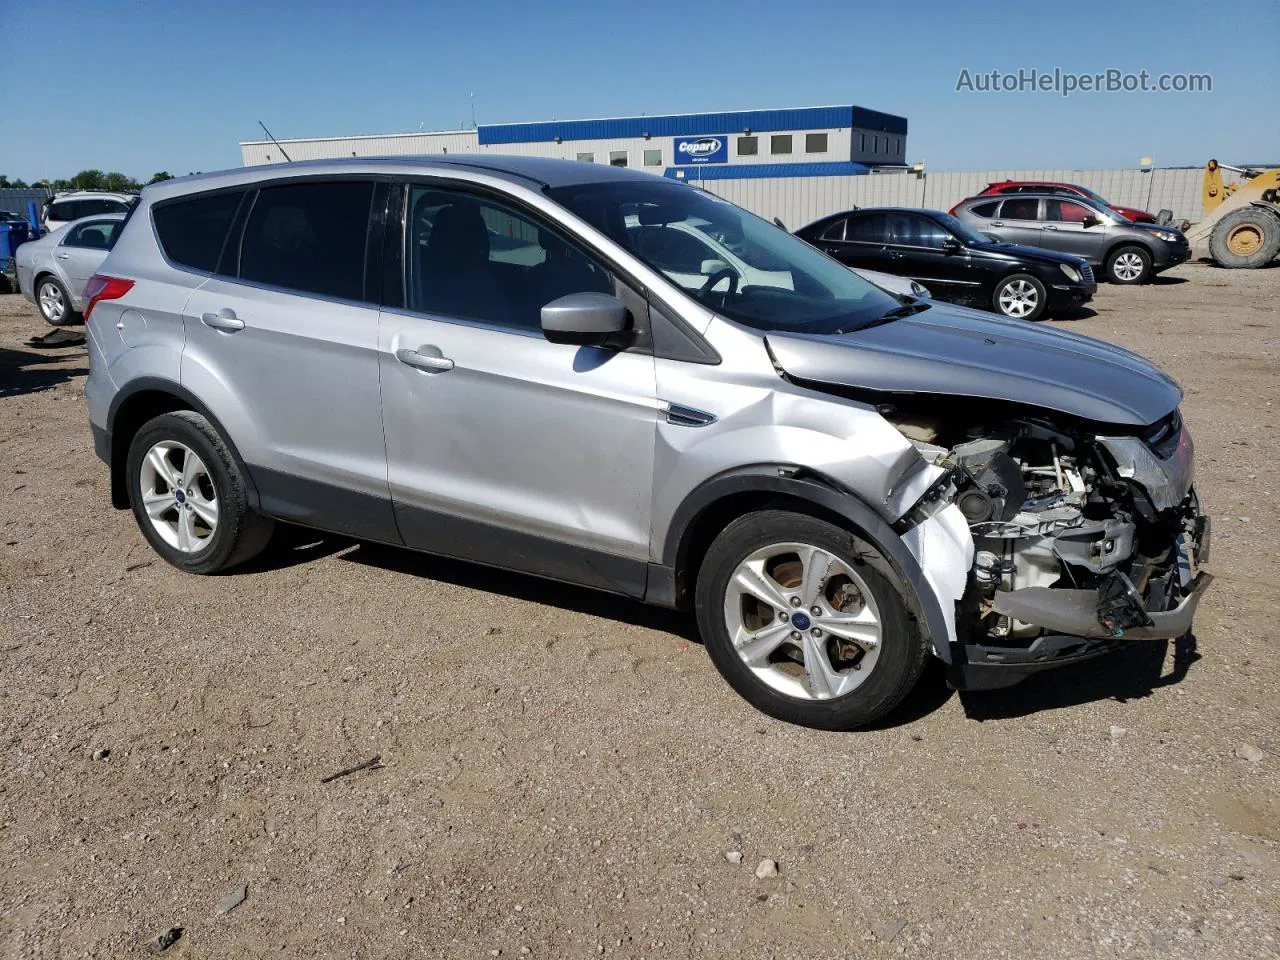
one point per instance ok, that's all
(102, 287)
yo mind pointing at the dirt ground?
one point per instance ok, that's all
(563, 773)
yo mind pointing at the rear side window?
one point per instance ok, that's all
(1020, 209)
(192, 231)
(986, 210)
(309, 237)
(66, 210)
(95, 235)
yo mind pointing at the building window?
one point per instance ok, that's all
(586, 158)
(862, 143)
(815, 143)
(617, 158)
(875, 144)
(653, 158)
(748, 146)
(780, 143)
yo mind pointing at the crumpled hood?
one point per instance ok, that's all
(954, 351)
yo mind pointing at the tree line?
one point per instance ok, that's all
(90, 180)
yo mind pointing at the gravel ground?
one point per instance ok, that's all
(563, 774)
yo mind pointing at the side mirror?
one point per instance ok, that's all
(951, 245)
(584, 318)
(1090, 221)
(711, 267)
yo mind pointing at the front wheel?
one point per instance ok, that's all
(797, 620)
(1020, 296)
(1129, 265)
(188, 495)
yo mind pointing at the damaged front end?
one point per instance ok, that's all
(1085, 536)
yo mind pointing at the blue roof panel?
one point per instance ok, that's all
(674, 125)
(766, 171)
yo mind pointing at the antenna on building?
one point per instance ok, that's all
(473, 110)
(274, 140)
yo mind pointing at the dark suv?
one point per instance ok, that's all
(954, 261)
(1128, 252)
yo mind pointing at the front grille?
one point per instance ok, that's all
(1087, 273)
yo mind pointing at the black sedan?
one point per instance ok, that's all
(954, 261)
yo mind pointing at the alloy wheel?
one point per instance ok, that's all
(1018, 298)
(52, 303)
(803, 621)
(179, 496)
(1129, 266)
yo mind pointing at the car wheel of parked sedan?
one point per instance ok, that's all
(188, 495)
(54, 303)
(797, 620)
(1020, 296)
(1129, 265)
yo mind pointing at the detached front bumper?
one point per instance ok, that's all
(1082, 624)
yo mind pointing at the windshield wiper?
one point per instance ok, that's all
(897, 313)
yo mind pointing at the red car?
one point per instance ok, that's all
(1045, 186)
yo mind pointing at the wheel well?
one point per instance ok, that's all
(128, 420)
(1121, 244)
(715, 516)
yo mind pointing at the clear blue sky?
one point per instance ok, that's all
(146, 86)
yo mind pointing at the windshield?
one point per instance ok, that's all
(1093, 196)
(729, 260)
(962, 231)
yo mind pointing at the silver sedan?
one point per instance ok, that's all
(53, 271)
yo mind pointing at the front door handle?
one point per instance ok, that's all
(224, 320)
(424, 361)
(997, 223)
(1050, 226)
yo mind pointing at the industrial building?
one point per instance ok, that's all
(745, 144)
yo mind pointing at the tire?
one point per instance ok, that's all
(163, 478)
(1129, 265)
(854, 685)
(1246, 238)
(1020, 296)
(54, 302)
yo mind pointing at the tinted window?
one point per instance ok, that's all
(1020, 209)
(477, 259)
(65, 210)
(96, 235)
(815, 143)
(834, 231)
(1064, 211)
(986, 210)
(748, 146)
(192, 231)
(309, 237)
(913, 231)
(869, 228)
(780, 143)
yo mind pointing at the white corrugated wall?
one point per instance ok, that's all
(801, 200)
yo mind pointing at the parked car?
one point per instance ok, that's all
(53, 271)
(76, 205)
(1126, 252)
(19, 226)
(955, 262)
(835, 481)
(1066, 189)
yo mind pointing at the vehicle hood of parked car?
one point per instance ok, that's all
(1024, 252)
(1134, 214)
(955, 351)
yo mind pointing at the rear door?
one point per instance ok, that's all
(82, 251)
(863, 243)
(1018, 221)
(285, 335)
(503, 447)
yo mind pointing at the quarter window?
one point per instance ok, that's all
(99, 235)
(815, 143)
(985, 210)
(653, 158)
(780, 143)
(834, 231)
(309, 237)
(192, 231)
(476, 259)
(748, 146)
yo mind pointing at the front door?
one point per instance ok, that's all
(1065, 230)
(286, 347)
(503, 447)
(922, 242)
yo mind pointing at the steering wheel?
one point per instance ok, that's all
(716, 277)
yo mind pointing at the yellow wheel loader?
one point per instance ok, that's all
(1241, 225)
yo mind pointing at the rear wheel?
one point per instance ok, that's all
(1020, 296)
(188, 495)
(54, 303)
(1245, 238)
(797, 620)
(1129, 265)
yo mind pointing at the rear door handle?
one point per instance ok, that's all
(424, 361)
(63, 256)
(1050, 226)
(224, 320)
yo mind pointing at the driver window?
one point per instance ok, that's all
(1064, 211)
(477, 259)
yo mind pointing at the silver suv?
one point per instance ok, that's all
(505, 360)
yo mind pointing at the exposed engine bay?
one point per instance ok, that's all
(1081, 538)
